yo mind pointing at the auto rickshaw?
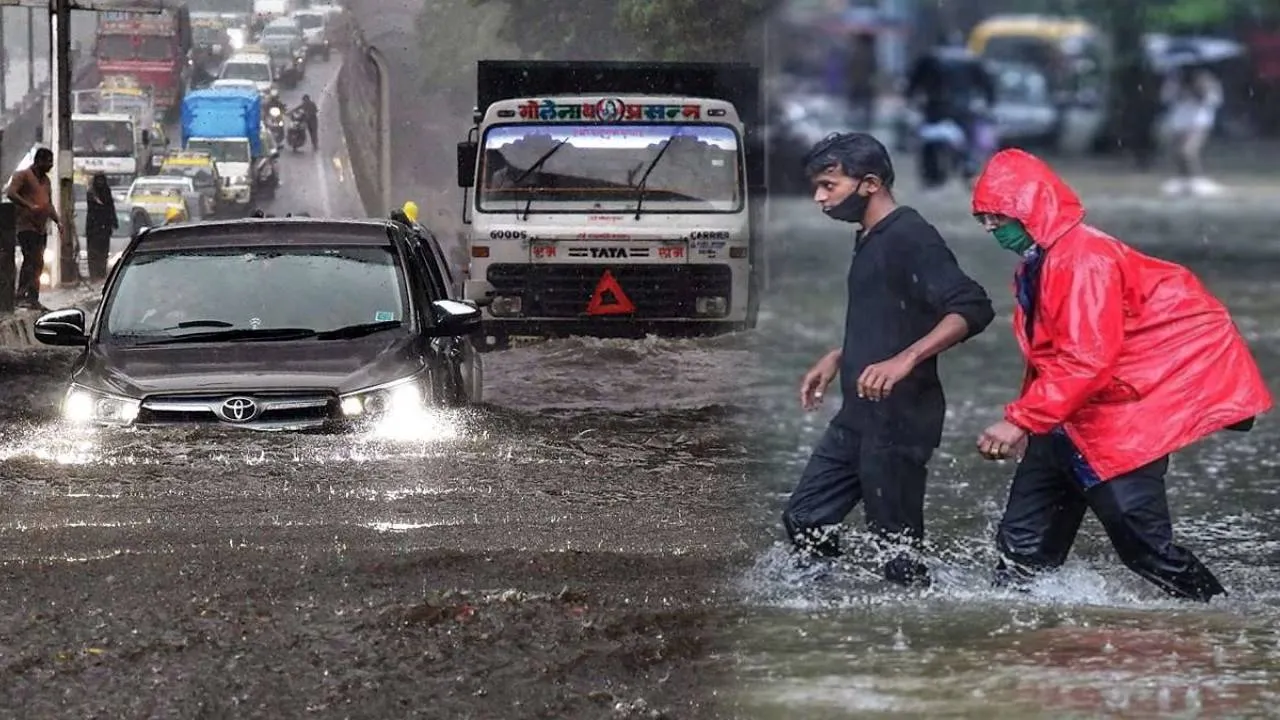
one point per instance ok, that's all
(1076, 58)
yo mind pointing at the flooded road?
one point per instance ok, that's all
(560, 552)
(1094, 639)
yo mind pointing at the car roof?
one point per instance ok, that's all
(265, 232)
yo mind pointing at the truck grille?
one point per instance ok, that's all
(258, 410)
(564, 290)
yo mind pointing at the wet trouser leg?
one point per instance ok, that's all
(1041, 517)
(1047, 503)
(847, 468)
(1134, 510)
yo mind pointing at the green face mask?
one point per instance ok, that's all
(1013, 236)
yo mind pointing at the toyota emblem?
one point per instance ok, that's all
(239, 409)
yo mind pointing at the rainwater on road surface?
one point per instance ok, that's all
(1093, 640)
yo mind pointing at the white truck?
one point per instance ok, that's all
(613, 199)
(111, 144)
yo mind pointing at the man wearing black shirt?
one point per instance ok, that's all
(908, 302)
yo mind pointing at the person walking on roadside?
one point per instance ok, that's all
(908, 302)
(31, 191)
(1129, 359)
(101, 223)
(1195, 96)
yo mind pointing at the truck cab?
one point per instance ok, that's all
(112, 144)
(613, 199)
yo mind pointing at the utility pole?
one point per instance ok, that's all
(66, 266)
(31, 50)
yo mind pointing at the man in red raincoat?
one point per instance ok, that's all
(1129, 359)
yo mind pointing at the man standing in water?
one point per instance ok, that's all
(1129, 359)
(908, 301)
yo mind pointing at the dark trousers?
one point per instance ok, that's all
(33, 245)
(1047, 504)
(313, 128)
(98, 245)
(846, 468)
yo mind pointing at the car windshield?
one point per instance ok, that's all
(599, 167)
(205, 35)
(251, 289)
(235, 151)
(279, 32)
(255, 72)
(1021, 85)
(309, 22)
(157, 188)
(102, 138)
(201, 175)
(127, 47)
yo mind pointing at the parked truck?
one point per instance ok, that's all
(614, 198)
(227, 123)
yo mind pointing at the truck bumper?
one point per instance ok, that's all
(498, 334)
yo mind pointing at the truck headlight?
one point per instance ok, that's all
(83, 405)
(714, 306)
(506, 306)
(402, 397)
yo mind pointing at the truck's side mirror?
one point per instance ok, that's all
(466, 164)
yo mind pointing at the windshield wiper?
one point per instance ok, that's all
(237, 335)
(640, 186)
(356, 331)
(537, 164)
(200, 324)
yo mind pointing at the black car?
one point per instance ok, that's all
(273, 324)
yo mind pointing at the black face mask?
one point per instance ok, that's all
(852, 209)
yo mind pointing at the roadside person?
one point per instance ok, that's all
(908, 302)
(100, 223)
(1129, 359)
(32, 192)
(310, 116)
(1195, 96)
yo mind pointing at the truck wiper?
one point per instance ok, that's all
(537, 164)
(640, 186)
(237, 335)
(360, 330)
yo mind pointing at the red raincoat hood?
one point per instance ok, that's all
(1020, 185)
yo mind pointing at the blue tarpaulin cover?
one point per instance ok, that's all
(223, 113)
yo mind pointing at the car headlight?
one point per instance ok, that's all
(274, 112)
(83, 405)
(397, 398)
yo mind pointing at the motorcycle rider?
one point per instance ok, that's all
(309, 114)
(950, 78)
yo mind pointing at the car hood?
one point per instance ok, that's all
(332, 365)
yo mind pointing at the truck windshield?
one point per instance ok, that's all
(600, 167)
(102, 138)
(257, 72)
(233, 151)
(127, 47)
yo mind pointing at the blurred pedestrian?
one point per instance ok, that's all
(908, 302)
(1129, 359)
(32, 192)
(1194, 95)
(100, 224)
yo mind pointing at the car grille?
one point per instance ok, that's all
(270, 409)
(657, 291)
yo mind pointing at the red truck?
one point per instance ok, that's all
(152, 49)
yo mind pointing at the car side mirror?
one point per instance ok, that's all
(454, 317)
(62, 327)
(466, 164)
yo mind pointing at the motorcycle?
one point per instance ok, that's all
(943, 151)
(275, 123)
(297, 135)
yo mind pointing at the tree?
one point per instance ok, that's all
(630, 29)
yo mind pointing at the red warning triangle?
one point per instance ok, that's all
(609, 298)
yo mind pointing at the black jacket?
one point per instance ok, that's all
(903, 280)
